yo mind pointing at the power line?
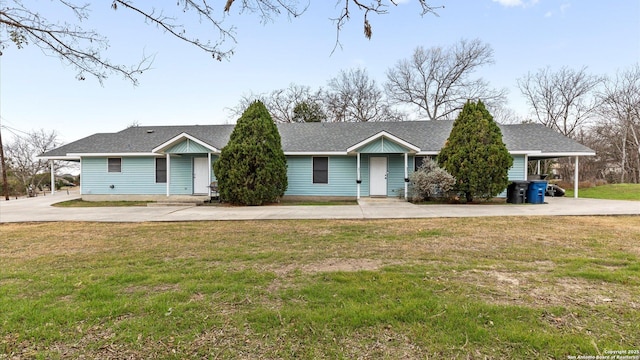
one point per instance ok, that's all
(13, 131)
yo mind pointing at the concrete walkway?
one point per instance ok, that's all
(39, 209)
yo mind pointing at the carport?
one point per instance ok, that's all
(576, 165)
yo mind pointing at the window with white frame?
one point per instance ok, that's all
(161, 170)
(114, 165)
(321, 170)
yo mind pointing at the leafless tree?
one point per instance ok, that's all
(503, 114)
(619, 127)
(280, 102)
(562, 100)
(28, 23)
(21, 155)
(438, 81)
(352, 96)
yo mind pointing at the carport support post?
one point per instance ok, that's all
(53, 178)
(406, 175)
(358, 177)
(575, 179)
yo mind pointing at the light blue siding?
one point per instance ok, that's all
(395, 180)
(138, 176)
(187, 147)
(382, 145)
(516, 172)
(214, 158)
(181, 175)
(342, 177)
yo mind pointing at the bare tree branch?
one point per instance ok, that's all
(562, 100)
(22, 153)
(619, 127)
(374, 6)
(353, 97)
(438, 81)
(85, 50)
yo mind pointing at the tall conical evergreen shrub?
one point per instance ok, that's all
(475, 154)
(252, 168)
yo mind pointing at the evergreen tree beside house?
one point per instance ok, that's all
(476, 155)
(252, 168)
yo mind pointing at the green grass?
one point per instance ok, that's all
(611, 192)
(492, 288)
(82, 203)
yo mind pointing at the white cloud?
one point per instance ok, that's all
(509, 3)
(563, 9)
(514, 3)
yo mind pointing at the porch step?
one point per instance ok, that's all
(382, 201)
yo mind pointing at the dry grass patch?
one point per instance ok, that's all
(446, 288)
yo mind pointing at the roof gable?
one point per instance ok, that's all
(377, 144)
(184, 144)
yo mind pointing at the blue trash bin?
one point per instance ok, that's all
(535, 191)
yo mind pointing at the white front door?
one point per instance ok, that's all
(200, 175)
(378, 176)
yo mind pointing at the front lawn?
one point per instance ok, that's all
(82, 203)
(610, 191)
(494, 288)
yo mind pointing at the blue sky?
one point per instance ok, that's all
(186, 86)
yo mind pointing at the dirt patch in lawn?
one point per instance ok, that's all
(332, 265)
(534, 289)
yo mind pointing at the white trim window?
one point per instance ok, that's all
(418, 160)
(114, 165)
(320, 169)
(161, 170)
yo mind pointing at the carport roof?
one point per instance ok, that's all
(302, 138)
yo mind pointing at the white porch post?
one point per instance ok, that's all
(538, 167)
(358, 179)
(526, 166)
(53, 178)
(168, 173)
(81, 177)
(209, 176)
(406, 175)
(575, 180)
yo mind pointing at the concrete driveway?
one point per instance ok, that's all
(39, 209)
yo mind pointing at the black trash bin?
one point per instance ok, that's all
(517, 192)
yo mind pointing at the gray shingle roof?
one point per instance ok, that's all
(429, 136)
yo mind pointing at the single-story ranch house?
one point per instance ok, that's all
(329, 160)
